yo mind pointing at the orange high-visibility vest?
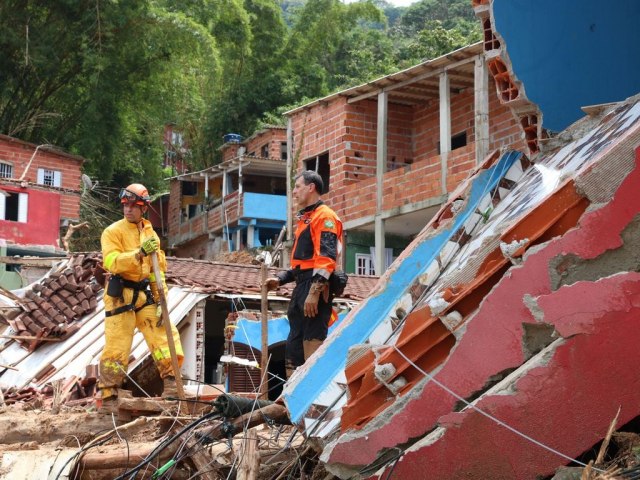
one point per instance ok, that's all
(318, 240)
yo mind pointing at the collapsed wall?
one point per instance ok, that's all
(495, 326)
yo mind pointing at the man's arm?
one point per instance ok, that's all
(325, 233)
(281, 278)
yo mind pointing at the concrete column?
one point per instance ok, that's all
(381, 168)
(481, 100)
(290, 175)
(238, 240)
(225, 181)
(250, 235)
(445, 128)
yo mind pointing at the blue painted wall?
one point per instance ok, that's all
(572, 53)
(249, 332)
(376, 308)
(265, 206)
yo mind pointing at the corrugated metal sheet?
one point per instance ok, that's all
(71, 357)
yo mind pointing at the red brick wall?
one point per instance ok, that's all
(230, 151)
(196, 249)
(173, 221)
(348, 133)
(18, 154)
(273, 137)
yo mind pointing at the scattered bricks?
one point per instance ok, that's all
(96, 287)
(71, 329)
(19, 323)
(31, 326)
(91, 372)
(68, 313)
(29, 306)
(54, 286)
(62, 280)
(73, 301)
(51, 312)
(46, 292)
(82, 273)
(88, 291)
(93, 303)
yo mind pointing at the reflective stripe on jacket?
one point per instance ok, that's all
(121, 243)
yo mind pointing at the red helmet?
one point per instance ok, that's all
(136, 193)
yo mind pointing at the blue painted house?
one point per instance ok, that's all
(239, 203)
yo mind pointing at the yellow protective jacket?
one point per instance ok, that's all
(121, 252)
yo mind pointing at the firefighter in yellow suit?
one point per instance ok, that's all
(131, 295)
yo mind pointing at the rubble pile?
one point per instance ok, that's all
(231, 437)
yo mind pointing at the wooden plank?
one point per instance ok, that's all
(249, 457)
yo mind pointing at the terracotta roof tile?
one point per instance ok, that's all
(53, 306)
(216, 277)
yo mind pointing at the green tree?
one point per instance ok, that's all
(102, 82)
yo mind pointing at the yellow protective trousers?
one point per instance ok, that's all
(119, 330)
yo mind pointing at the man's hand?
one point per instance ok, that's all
(159, 315)
(150, 245)
(272, 283)
(311, 302)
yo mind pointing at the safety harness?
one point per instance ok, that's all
(142, 286)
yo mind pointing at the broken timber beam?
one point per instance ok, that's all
(201, 461)
(275, 412)
(125, 456)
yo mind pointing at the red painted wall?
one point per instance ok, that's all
(43, 219)
(18, 154)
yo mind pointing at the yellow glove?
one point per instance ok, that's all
(311, 302)
(150, 245)
(272, 283)
(159, 315)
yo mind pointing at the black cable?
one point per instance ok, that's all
(82, 450)
(393, 467)
(164, 444)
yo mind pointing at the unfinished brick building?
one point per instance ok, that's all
(391, 150)
(239, 203)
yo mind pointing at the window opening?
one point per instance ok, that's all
(320, 164)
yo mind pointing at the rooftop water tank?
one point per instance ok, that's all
(232, 138)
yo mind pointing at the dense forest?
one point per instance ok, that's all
(100, 79)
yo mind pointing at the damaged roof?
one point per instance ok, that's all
(215, 277)
(67, 304)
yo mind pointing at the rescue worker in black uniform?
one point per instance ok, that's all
(316, 247)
